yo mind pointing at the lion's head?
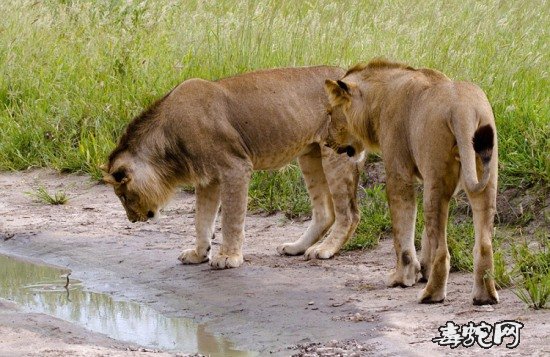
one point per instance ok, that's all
(137, 167)
(356, 94)
(339, 137)
(137, 185)
(343, 97)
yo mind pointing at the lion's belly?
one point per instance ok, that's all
(278, 158)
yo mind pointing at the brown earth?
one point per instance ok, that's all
(272, 304)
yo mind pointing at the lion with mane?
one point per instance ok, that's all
(213, 134)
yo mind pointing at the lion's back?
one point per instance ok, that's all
(269, 116)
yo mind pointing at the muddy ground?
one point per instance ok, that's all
(273, 304)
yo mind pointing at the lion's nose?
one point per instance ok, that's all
(350, 151)
(150, 214)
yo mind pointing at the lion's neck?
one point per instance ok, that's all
(366, 125)
(389, 102)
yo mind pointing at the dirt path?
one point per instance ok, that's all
(270, 304)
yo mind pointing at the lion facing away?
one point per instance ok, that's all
(214, 134)
(441, 132)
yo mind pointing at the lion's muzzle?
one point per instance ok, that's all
(349, 150)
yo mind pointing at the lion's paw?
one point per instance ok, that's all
(427, 296)
(406, 276)
(190, 256)
(290, 249)
(223, 261)
(319, 252)
(485, 297)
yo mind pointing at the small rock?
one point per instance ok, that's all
(485, 308)
(311, 303)
(357, 317)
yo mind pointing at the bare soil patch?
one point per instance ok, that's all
(272, 304)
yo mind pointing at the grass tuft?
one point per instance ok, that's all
(502, 275)
(42, 195)
(532, 274)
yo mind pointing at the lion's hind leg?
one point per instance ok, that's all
(322, 210)
(402, 202)
(483, 207)
(437, 195)
(342, 175)
(425, 257)
(207, 206)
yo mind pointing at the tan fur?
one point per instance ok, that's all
(424, 125)
(214, 134)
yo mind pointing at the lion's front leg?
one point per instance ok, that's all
(234, 196)
(401, 199)
(322, 211)
(342, 176)
(207, 206)
(484, 207)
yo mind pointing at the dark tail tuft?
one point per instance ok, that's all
(484, 140)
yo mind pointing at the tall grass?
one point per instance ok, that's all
(73, 73)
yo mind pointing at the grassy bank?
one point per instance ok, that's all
(73, 73)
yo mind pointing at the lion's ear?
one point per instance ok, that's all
(343, 86)
(121, 176)
(109, 180)
(118, 177)
(337, 91)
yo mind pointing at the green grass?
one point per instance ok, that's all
(502, 274)
(282, 191)
(375, 219)
(73, 73)
(531, 274)
(42, 195)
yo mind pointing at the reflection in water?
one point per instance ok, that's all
(41, 289)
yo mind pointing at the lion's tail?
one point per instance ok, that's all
(474, 141)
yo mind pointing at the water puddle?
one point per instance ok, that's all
(41, 288)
